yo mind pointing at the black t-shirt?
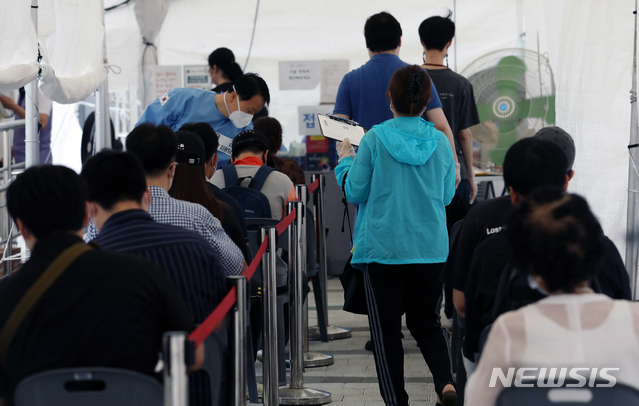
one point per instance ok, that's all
(483, 220)
(488, 262)
(458, 102)
(106, 309)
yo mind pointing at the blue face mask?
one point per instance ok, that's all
(239, 118)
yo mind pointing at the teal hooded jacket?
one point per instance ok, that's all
(402, 177)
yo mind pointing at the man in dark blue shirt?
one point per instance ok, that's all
(361, 95)
(119, 201)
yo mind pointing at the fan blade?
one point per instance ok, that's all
(485, 112)
(538, 107)
(509, 76)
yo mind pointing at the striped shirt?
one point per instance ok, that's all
(191, 216)
(188, 260)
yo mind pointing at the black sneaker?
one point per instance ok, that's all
(369, 345)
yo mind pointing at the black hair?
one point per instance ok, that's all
(48, 199)
(208, 136)
(249, 85)
(435, 32)
(224, 59)
(556, 236)
(410, 90)
(382, 32)
(273, 131)
(155, 146)
(531, 163)
(114, 177)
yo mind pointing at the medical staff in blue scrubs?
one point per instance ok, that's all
(229, 113)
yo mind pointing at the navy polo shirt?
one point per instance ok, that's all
(362, 93)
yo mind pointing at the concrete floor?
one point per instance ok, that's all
(352, 379)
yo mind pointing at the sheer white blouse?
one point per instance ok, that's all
(561, 331)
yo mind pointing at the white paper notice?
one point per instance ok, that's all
(299, 75)
(197, 77)
(333, 72)
(165, 78)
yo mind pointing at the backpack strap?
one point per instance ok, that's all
(230, 175)
(35, 292)
(260, 177)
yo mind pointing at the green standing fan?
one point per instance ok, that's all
(515, 95)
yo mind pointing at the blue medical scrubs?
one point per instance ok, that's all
(183, 105)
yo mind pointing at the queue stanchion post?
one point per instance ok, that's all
(269, 311)
(311, 358)
(297, 394)
(7, 136)
(315, 332)
(238, 392)
(176, 381)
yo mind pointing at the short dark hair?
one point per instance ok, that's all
(532, 163)
(273, 131)
(155, 146)
(409, 90)
(382, 32)
(208, 136)
(435, 32)
(556, 236)
(224, 59)
(114, 177)
(48, 199)
(253, 141)
(249, 85)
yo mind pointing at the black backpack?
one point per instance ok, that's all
(253, 202)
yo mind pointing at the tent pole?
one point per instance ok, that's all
(632, 229)
(102, 121)
(32, 132)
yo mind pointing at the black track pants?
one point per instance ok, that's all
(392, 290)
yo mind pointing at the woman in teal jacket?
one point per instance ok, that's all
(402, 177)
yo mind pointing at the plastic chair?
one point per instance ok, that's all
(89, 386)
(619, 394)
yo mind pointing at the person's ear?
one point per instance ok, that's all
(423, 45)
(172, 170)
(400, 43)
(146, 199)
(515, 197)
(23, 230)
(214, 161)
(449, 43)
(569, 177)
(232, 158)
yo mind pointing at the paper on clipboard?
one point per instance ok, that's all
(340, 129)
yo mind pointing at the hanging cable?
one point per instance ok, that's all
(248, 56)
(117, 5)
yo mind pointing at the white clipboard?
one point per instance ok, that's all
(339, 128)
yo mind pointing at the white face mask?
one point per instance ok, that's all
(239, 118)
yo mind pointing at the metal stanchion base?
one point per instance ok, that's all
(317, 359)
(334, 333)
(304, 396)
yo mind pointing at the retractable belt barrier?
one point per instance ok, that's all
(175, 382)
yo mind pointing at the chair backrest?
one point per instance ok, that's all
(619, 394)
(89, 386)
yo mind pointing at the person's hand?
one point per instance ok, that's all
(8, 102)
(473, 189)
(457, 174)
(344, 149)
